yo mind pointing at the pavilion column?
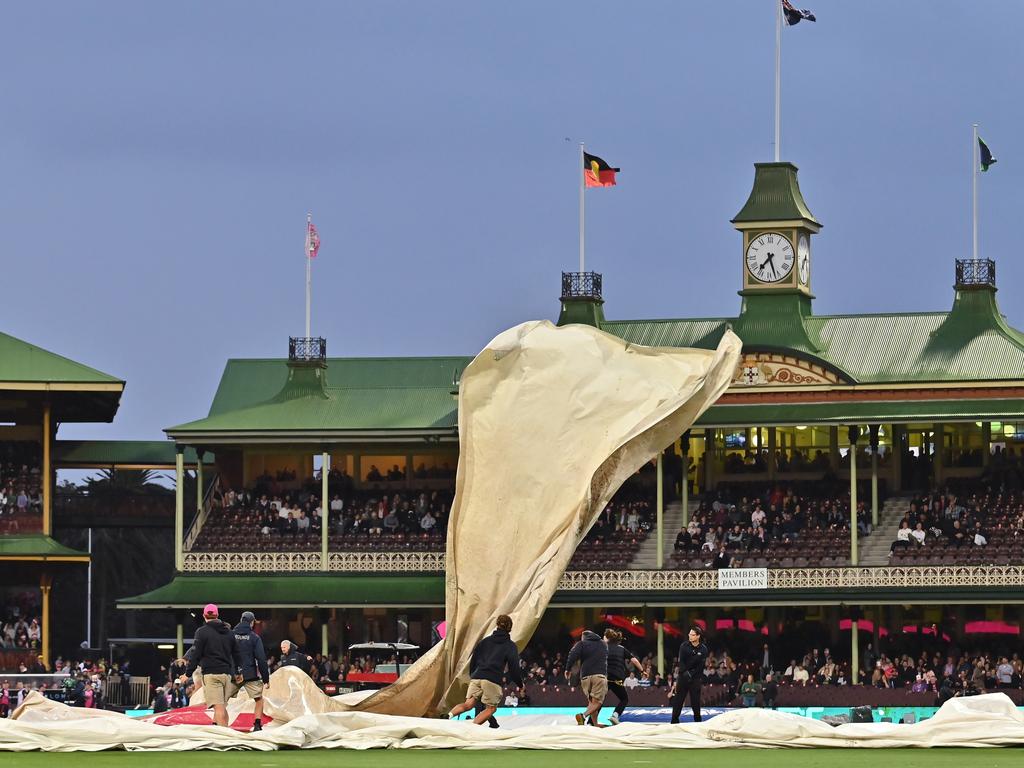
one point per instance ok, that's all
(896, 470)
(325, 464)
(45, 583)
(324, 647)
(833, 448)
(709, 459)
(853, 433)
(661, 646)
(772, 441)
(939, 443)
(986, 443)
(874, 475)
(660, 511)
(47, 470)
(199, 482)
(179, 639)
(179, 507)
(854, 646)
(684, 496)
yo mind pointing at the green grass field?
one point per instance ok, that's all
(691, 758)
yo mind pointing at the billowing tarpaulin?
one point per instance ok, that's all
(551, 422)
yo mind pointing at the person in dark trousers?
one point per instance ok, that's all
(592, 655)
(255, 672)
(291, 656)
(619, 658)
(494, 657)
(693, 654)
(216, 651)
(770, 691)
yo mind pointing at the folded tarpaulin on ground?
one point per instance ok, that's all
(311, 719)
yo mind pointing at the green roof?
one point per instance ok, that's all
(775, 196)
(114, 453)
(861, 412)
(407, 591)
(904, 347)
(24, 362)
(359, 395)
(320, 590)
(19, 546)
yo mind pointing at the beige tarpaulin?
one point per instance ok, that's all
(310, 720)
(551, 422)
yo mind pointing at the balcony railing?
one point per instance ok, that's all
(975, 272)
(581, 285)
(641, 581)
(303, 349)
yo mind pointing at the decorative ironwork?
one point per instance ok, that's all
(581, 285)
(619, 581)
(307, 349)
(975, 272)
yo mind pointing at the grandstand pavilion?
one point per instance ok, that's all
(39, 391)
(918, 399)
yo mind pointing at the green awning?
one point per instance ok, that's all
(306, 591)
(38, 547)
(100, 454)
(861, 412)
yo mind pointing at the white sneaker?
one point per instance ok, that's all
(614, 719)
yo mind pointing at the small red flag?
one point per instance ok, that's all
(312, 240)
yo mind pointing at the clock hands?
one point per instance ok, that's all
(766, 262)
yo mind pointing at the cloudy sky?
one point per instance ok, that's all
(157, 161)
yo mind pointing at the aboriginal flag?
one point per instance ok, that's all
(597, 173)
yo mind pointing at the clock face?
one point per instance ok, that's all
(803, 259)
(770, 257)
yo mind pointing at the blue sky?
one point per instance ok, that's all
(157, 162)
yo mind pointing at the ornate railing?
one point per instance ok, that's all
(581, 285)
(619, 581)
(975, 272)
(307, 349)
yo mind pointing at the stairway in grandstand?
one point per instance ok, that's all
(646, 557)
(874, 549)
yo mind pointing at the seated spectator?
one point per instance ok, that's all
(800, 676)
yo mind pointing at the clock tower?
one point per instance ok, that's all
(776, 226)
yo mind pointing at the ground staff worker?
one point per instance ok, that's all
(255, 672)
(693, 655)
(216, 651)
(618, 659)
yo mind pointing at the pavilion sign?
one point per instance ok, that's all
(743, 578)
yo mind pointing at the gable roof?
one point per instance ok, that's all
(397, 395)
(27, 363)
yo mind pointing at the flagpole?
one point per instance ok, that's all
(974, 187)
(778, 75)
(579, 171)
(309, 271)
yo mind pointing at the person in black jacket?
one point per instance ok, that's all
(592, 655)
(216, 651)
(291, 656)
(491, 658)
(255, 672)
(619, 658)
(693, 654)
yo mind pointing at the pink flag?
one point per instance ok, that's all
(312, 240)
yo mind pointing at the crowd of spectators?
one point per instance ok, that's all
(974, 524)
(243, 520)
(617, 534)
(21, 495)
(773, 527)
(79, 683)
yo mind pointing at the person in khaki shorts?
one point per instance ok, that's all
(216, 651)
(491, 658)
(255, 672)
(592, 655)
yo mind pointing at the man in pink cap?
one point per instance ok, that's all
(216, 651)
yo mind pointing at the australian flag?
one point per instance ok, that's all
(794, 15)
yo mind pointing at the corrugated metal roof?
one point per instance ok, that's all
(703, 333)
(860, 412)
(24, 362)
(35, 545)
(111, 453)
